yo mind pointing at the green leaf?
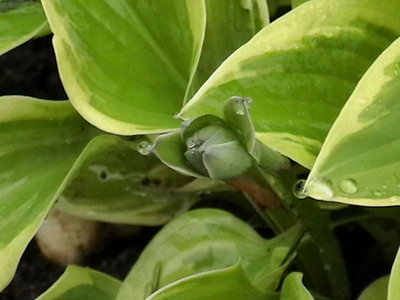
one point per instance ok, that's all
(393, 289)
(20, 20)
(300, 70)
(293, 288)
(205, 240)
(130, 74)
(117, 184)
(39, 142)
(223, 284)
(84, 284)
(230, 24)
(359, 163)
(376, 290)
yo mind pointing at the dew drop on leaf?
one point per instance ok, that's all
(248, 102)
(144, 148)
(191, 143)
(348, 186)
(240, 109)
(298, 189)
(320, 188)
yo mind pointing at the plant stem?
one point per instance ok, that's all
(322, 258)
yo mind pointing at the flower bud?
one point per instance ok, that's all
(228, 160)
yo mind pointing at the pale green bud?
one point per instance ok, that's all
(228, 160)
(215, 151)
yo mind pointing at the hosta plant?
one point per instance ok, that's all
(173, 99)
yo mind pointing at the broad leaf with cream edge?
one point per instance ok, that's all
(19, 22)
(300, 70)
(359, 161)
(230, 24)
(39, 142)
(205, 240)
(84, 284)
(130, 74)
(222, 284)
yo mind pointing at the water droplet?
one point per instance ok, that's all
(240, 108)
(247, 102)
(191, 143)
(320, 188)
(177, 116)
(298, 189)
(144, 148)
(348, 186)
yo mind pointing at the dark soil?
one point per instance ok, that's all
(31, 70)
(36, 274)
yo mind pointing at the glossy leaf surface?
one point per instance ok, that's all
(300, 70)
(359, 162)
(128, 76)
(205, 240)
(84, 284)
(224, 284)
(230, 24)
(39, 142)
(117, 184)
(19, 22)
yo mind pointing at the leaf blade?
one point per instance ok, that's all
(82, 283)
(135, 82)
(204, 240)
(222, 284)
(359, 158)
(39, 142)
(114, 183)
(223, 35)
(19, 22)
